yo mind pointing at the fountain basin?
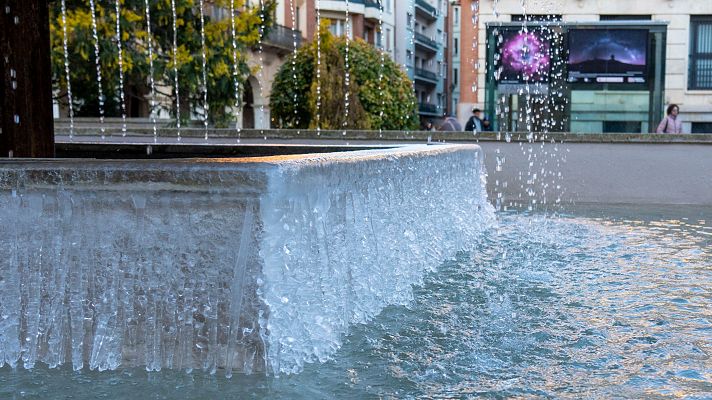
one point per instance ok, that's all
(245, 265)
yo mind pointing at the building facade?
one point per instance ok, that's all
(366, 20)
(421, 47)
(455, 65)
(687, 61)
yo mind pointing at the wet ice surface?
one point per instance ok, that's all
(576, 307)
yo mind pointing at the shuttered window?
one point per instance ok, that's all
(700, 72)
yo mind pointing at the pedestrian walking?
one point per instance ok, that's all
(672, 122)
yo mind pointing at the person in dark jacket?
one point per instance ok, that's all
(477, 123)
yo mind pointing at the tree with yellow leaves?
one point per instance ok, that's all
(134, 41)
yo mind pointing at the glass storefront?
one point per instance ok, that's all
(598, 77)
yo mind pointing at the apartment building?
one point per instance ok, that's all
(421, 47)
(455, 67)
(365, 19)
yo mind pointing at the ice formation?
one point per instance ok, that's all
(243, 266)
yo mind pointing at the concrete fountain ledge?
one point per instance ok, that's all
(245, 265)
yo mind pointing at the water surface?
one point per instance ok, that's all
(613, 303)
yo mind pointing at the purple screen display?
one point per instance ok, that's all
(525, 57)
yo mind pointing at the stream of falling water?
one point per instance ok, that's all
(122, 97)
(411, 46)
(260, 72)
(292, 5)
(381, 66)
(318, 67)
(66, 69)
(97, 62)
(537, 98)
(235, 72)
(347, 29)
(175, 63)
(206, 107)
(151, 71)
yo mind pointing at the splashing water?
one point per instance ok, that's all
(122, 97)
(66, 69)
(97, 61)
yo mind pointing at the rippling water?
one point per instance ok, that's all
(577, 306)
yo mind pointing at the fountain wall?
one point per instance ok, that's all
(244, 265)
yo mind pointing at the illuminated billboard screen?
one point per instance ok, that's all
(608, 55)
(524, 57)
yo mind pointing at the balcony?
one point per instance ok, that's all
(426, 10)
(429, 109)
(426, 76)
(426, 43)
(282, 38)
(372, 3)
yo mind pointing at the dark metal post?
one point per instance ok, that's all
(26, 87)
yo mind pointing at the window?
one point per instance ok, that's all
(455, 74)
(388, 39)
(296, 19)
(536, 17)
(379, 39)
(621, 127)
(456, 15)
(632, 17)
(409, 20)
(700, 73)
(701, 127)
(455, 47)
(388, 6)
(337, 27)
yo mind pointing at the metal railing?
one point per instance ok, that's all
(283, 37)
(419, 37)
(425, 74)
(427, 108)
(372, 3)
(427, 8)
